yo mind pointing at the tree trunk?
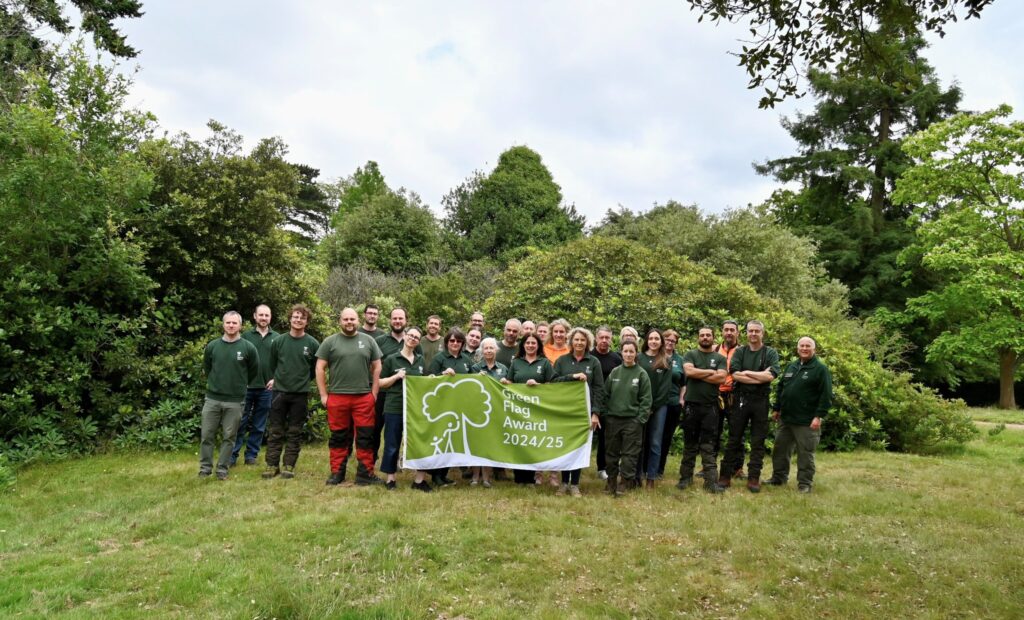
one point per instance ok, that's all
(878, 183)
(1007, 364)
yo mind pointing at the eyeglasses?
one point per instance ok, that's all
(412, 336)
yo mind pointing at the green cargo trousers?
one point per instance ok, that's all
(226, 417)
(623, 440)
(804, 441)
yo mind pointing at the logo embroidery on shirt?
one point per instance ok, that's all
(361, 345)
(241, 358)
(636, 380)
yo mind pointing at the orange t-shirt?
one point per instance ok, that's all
(553, 353)
(727, 385)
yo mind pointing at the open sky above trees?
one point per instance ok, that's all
(627, 106)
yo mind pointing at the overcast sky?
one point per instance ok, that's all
(628, 103)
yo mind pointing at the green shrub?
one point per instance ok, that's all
(606, 280)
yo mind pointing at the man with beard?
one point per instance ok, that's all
(726, 400)
(293, 364)
(352, 361)
(257, 396)
(609, 359)
(705, 371)
(432, 341)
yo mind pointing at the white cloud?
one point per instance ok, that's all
(628, 104)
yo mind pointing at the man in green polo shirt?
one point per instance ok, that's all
(705, 371)
(292, 365)
(257, 396)
(231, 363)
(803, 397)
(352, 360)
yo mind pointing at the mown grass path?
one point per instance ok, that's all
(882, 536)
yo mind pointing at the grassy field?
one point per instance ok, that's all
(882, 536)
(996, 416)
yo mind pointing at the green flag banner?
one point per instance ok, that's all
(471, 420)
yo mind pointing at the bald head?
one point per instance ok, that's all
(349, 321)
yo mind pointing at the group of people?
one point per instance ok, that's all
(639, 395)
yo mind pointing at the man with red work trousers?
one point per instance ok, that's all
(352, 359)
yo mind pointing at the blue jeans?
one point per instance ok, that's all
(254, 423)
(655, 431)
(393, 423)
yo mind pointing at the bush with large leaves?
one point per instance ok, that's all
(606, 280)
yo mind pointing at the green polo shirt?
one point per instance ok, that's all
(262, 344)
(540, 370)
(499, 371)
(661, 380)
(567, 366)
(394, 363)
(230, 367)
(702, 392)
(804, 392)
(444, 360)
(627, 393)
(348, 362)
(389, 346)
(765, 358)
(293, 362)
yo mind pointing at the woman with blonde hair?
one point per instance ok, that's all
(557, 343)
(579, 365)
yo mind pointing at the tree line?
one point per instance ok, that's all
(901, 249)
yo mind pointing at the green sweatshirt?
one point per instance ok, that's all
(262, 344)
(568, 365)
(661, 380)
(627, 393)
(804, 392)
(293, 362)
(230, 367)
(522, 371)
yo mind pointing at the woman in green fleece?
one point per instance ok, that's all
(627, 397)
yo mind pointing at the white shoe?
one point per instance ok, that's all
(602, 474)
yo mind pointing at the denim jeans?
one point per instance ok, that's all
(655, 431)
(254, 423)
(393, 427)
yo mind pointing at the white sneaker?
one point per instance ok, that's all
(602, 474)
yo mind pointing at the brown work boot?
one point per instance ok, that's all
(650, 484)
(725, 482)
(753, 485)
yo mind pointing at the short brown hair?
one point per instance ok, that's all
(303, 310)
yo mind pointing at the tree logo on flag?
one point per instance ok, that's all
(452, 407)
